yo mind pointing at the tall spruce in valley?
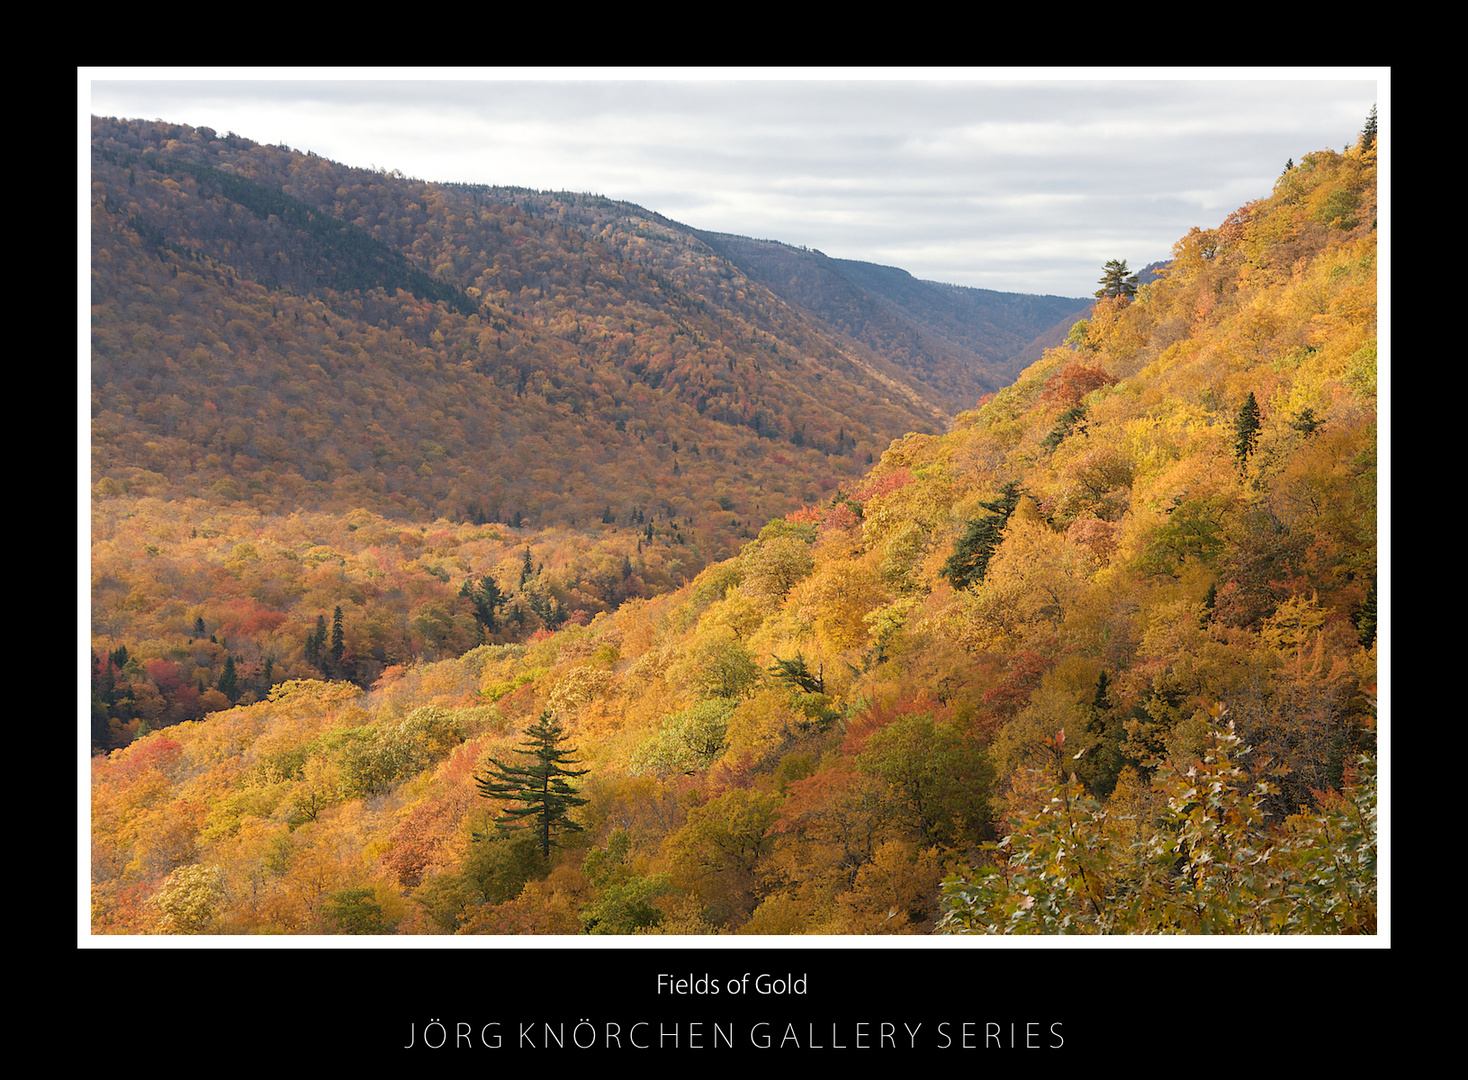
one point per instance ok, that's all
(338, 643)
(316, 642)
(541, 789)
(229, 681)
(487, 600)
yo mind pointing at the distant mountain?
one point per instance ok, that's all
(275, 329)
(318, 388)
(960, 342)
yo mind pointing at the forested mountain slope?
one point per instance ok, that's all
(285, 332)
(437, 415)
(1149, 564)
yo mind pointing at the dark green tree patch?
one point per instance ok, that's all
(981, 539)
(539, 794)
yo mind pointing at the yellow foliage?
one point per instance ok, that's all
(895, 893)
(835, 600)
(761, 724)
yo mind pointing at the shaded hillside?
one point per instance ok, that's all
(279, 330)
(963, 342)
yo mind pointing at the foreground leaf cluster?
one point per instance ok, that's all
(1201, 861)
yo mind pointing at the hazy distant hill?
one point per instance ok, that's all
(961, 342)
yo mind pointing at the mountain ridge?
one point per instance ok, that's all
(259, 231)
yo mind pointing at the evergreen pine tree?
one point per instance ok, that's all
(316, 641)
(487, 600)
(1246, 424)
(338, 642)
(1117, 280)
(1368, 134)
(540, 794)
(1102, 763)
(1366, 618)
(981, 538)
(229, 684)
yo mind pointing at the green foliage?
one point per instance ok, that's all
(690, 741)
(353, 911)
(340, 254)
(450, 898)
(1193, 530)
(937, 776)
(487, 599)
(1339, 209)
(1116, 280)
(374, 759)
(540, 793)
(496, 868)
(797, 673)
(770, 566)
(723, 667)
(808, 696)
(1366, 617)
(189, 900)
(229, 684)
(624, 899)
(1246, 429)
(1064, 424)
(722, 845)
(1206, 863)
(981, 539)
(1100, 766)
(1078, 336)
(1368, 133)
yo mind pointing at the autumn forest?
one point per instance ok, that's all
(476, 560)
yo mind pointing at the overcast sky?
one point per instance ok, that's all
(1022, 181)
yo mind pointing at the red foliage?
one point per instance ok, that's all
(840, 517)
(1073, 382)
(417, 841)
(157, 753)
(885, 485)
(1004, 700)
(165, 676)
(727, 774)
(879, 715)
